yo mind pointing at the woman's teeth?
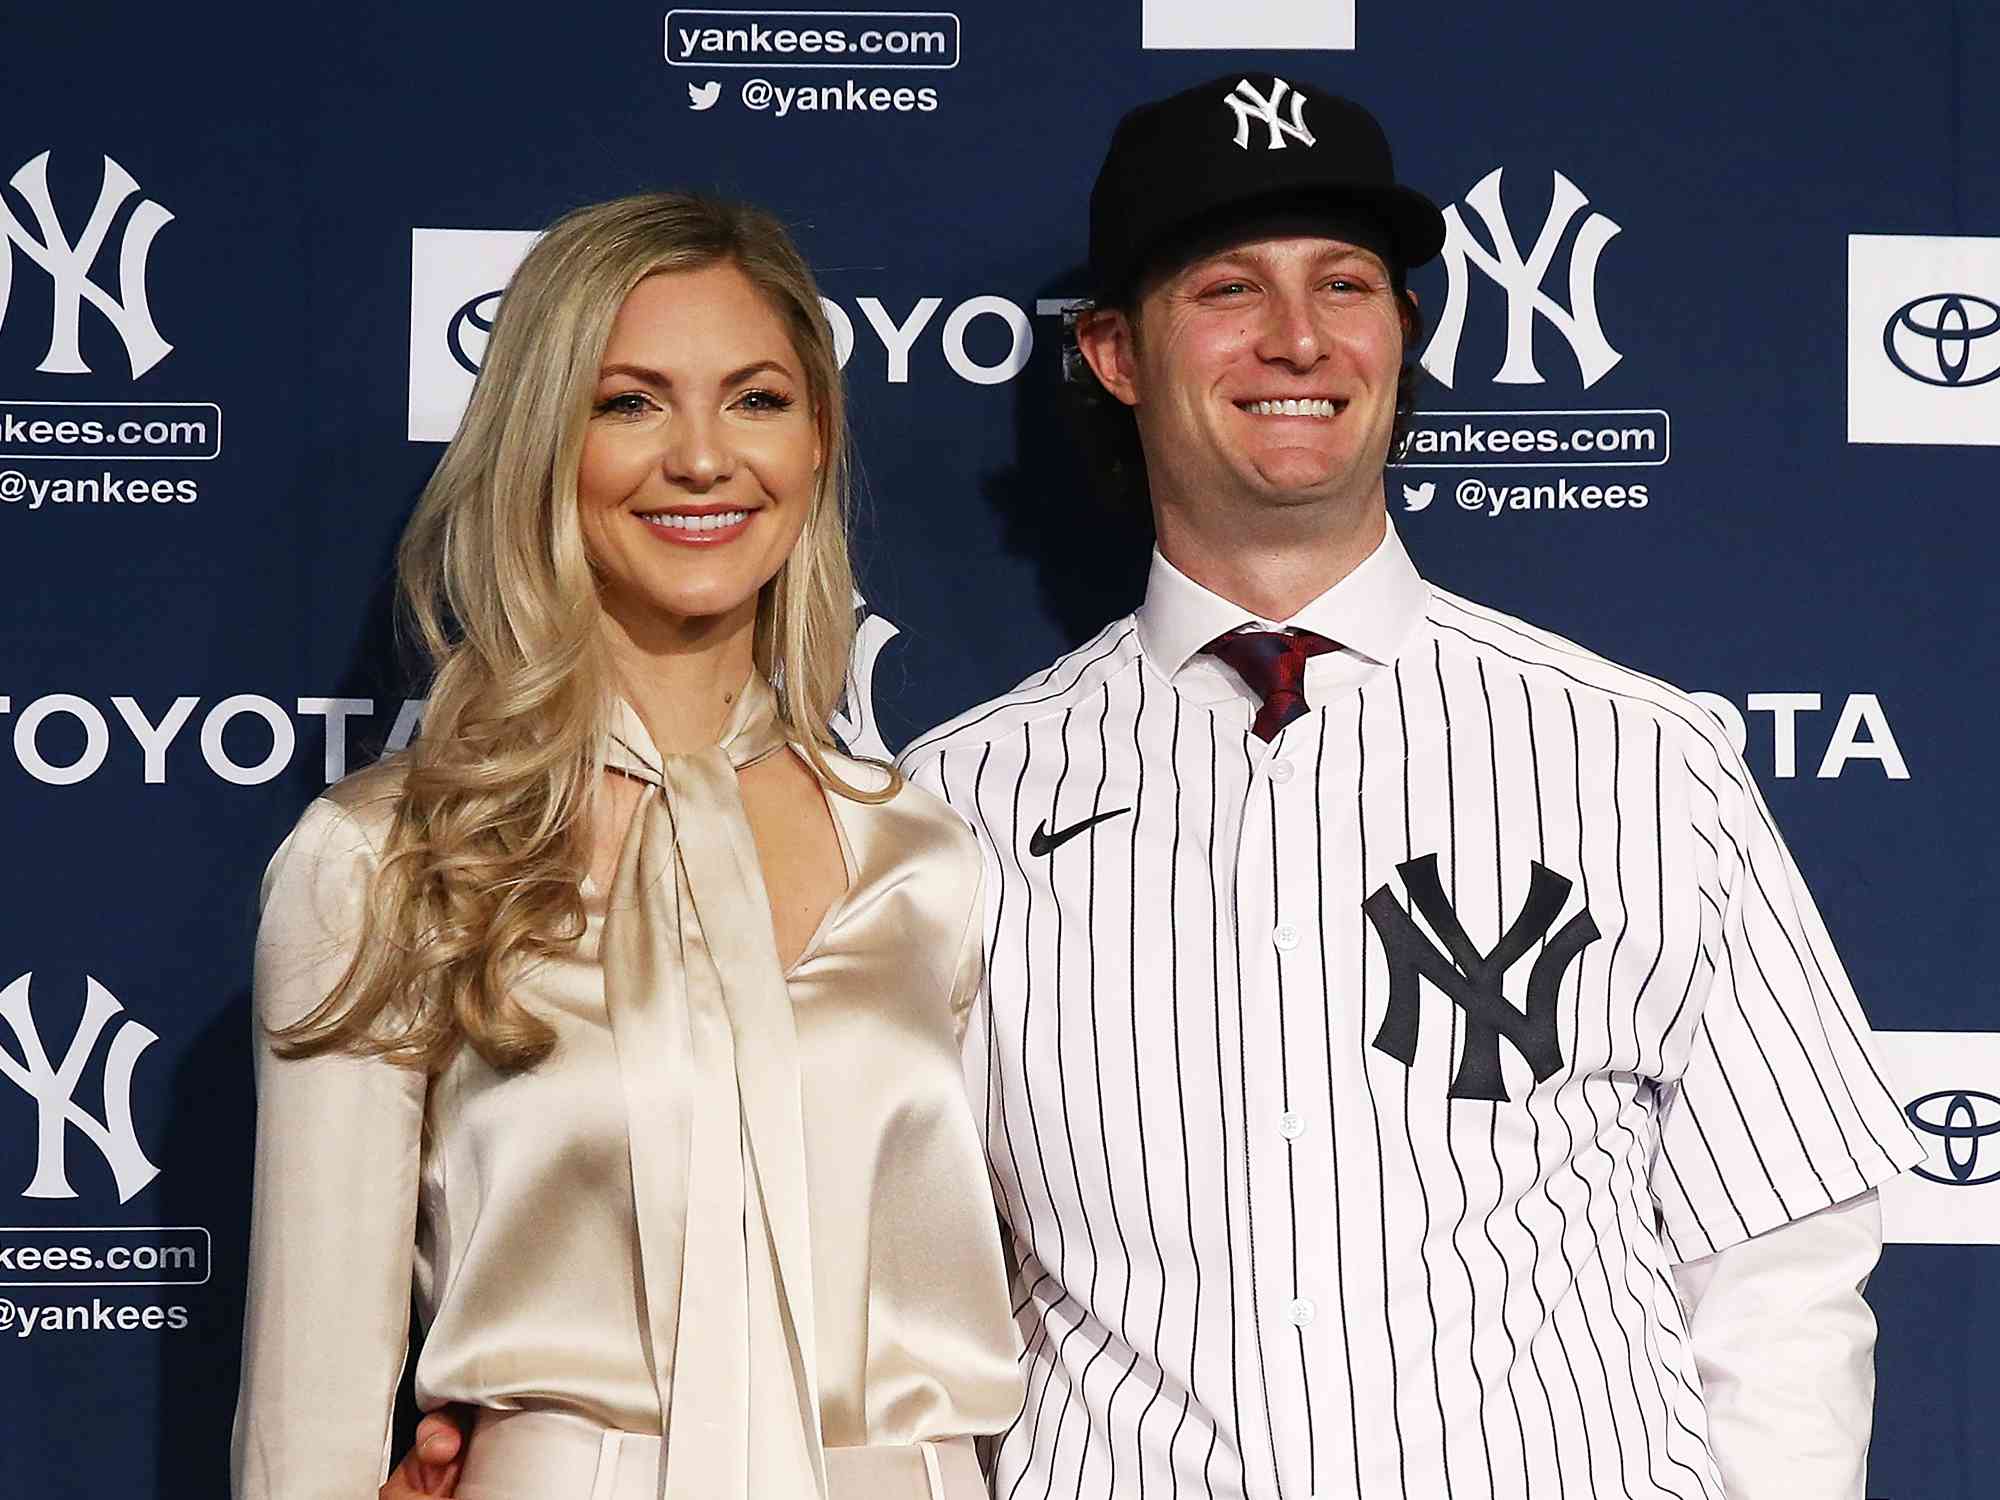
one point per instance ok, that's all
(1289, 408)
(721, 520)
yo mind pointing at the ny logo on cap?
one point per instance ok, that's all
(1249, 104)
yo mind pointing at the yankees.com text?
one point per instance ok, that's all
(111, 431)
(137, 1256)
(774, 39)
(1641, 438)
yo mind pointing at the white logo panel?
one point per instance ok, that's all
(1923, 339)
(1949, 1085)
(456, 277)
(1327, 25)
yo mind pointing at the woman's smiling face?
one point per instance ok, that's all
(701, 458)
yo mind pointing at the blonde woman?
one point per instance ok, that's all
(615, 1019)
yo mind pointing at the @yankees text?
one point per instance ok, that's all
(23, 1321)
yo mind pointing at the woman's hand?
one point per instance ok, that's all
(431, 1467)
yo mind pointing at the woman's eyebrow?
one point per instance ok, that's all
(756, 367)
(636, 372)
(658, 378)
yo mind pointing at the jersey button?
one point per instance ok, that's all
(1285, 936)
(1291, 1125)
(1278, 770)
(1302, 1311)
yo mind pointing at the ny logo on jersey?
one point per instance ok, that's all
(1250, 105)
(1474, 981)
(1521, 280)
(54, 1090)
(68, 265)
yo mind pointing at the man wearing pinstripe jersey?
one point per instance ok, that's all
(1410, 1063)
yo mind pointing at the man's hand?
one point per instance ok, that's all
(431, 1467)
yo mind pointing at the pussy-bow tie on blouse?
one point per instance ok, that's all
(708, 1056)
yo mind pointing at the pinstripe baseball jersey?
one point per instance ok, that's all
(1348, 1099)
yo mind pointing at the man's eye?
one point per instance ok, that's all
(1228, 288)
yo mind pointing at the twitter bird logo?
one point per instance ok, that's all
(1419, 496)
(703, 95)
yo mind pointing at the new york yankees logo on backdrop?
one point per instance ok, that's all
(854, 722)
(1475, 981)
(67, 263)
(53, 1089)
(1521, 278)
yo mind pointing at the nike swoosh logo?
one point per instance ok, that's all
(1041, 841)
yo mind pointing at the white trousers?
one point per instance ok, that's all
(535, 1455)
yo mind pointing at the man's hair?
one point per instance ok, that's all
(1108, 432)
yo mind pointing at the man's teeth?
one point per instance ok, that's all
(1289, 408)
(717, 522)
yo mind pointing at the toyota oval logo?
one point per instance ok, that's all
(1946, 339)
(1961, 1118)
(469, 327)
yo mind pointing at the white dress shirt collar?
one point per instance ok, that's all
(1372, 612)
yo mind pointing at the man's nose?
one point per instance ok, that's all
(1291, 334)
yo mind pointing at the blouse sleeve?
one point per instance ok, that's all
(334, 1206)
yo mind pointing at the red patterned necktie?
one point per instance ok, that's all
(1273, 665)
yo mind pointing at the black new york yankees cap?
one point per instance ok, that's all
(1234, 147)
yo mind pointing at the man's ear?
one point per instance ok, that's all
(1104, 336)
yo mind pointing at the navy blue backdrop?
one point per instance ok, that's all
(1744, 262)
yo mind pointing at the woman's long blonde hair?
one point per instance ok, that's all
(481, 872)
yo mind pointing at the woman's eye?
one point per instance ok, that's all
(625, 404)
(765, 400)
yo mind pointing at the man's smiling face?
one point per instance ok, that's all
(1262, 372)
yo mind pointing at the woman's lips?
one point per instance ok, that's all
(697, 529)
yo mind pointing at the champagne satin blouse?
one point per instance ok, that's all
(783, 1203)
